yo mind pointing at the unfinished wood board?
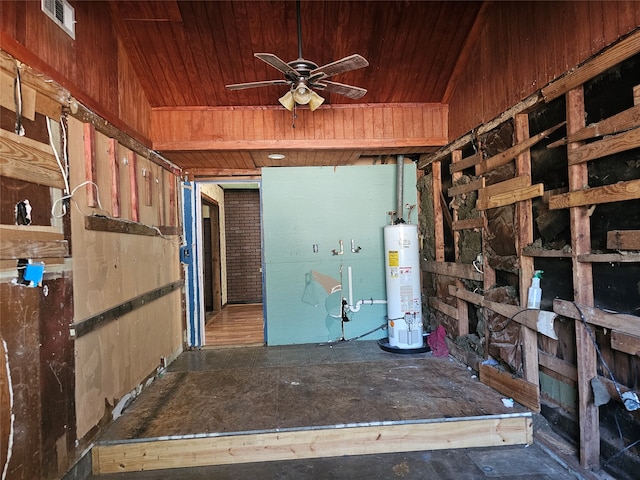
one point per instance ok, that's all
(505, 157)
(610, 257)
(28, 160)
(523, 392)
(113, 225)
(466, 187)
(468, 223)
(620, 322)
(620, 122)
(444, 308)
(451, 269)
(326, 442)
(530, 251)
(617, 192)
(8, 98)
(625, 343)
(466, 163)
(507, 186)
(33, 249)
(607, 146)
(623, 240)
(509, 198)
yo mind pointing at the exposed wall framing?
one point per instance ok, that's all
(545, 179)
(94, 208)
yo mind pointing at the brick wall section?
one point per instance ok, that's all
(244, 254)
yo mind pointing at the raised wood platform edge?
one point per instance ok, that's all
(496, 430)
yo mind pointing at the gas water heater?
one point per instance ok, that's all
(402, 271)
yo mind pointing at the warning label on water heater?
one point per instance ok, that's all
(393, 258)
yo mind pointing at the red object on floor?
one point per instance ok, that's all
(437, 342)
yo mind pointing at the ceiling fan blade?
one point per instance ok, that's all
(276, 63)
(341, 89)
(352, 62)
(265, 83)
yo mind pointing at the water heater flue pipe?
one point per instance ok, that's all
(356, 307)
(400, 189)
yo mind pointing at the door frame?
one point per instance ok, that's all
(216, 280)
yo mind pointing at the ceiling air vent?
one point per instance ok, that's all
(61, 12)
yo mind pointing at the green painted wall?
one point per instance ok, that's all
(308, 206)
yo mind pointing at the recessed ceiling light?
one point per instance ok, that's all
(276, 156)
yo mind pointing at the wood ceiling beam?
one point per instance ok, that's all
(353, 127)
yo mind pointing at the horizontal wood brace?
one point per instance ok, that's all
(620, 322)
(509, 198)
(443, 307)
(530, 251)
(101, 223)
(624, 342)
(26, 159)
(14, 250)
(530, 318)
(451, 269)
(88, 325)
(463, 188)
(509, 154)
(465, 163)
(469, 223)
(616, 192)
(607, 146)
(623, 239)
(619, 122)
(609, 258)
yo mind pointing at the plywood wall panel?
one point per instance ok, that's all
(525, 45)
(112, 268)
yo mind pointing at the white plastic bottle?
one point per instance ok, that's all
(535, 292)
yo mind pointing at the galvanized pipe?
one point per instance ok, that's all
(400, 189)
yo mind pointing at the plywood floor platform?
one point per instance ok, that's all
(254, 404)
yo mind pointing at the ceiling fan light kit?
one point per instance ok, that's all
(303, 76)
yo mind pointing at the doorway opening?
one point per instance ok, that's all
(232, 264)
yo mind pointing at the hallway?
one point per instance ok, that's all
(235, 325)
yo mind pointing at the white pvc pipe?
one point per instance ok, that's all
(356, 308)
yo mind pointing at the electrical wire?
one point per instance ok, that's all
(64, 170)
(17, 98)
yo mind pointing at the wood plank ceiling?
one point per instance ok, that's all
(185, 52)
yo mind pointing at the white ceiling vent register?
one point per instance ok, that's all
(61, 12)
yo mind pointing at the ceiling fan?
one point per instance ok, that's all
(304, 76)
